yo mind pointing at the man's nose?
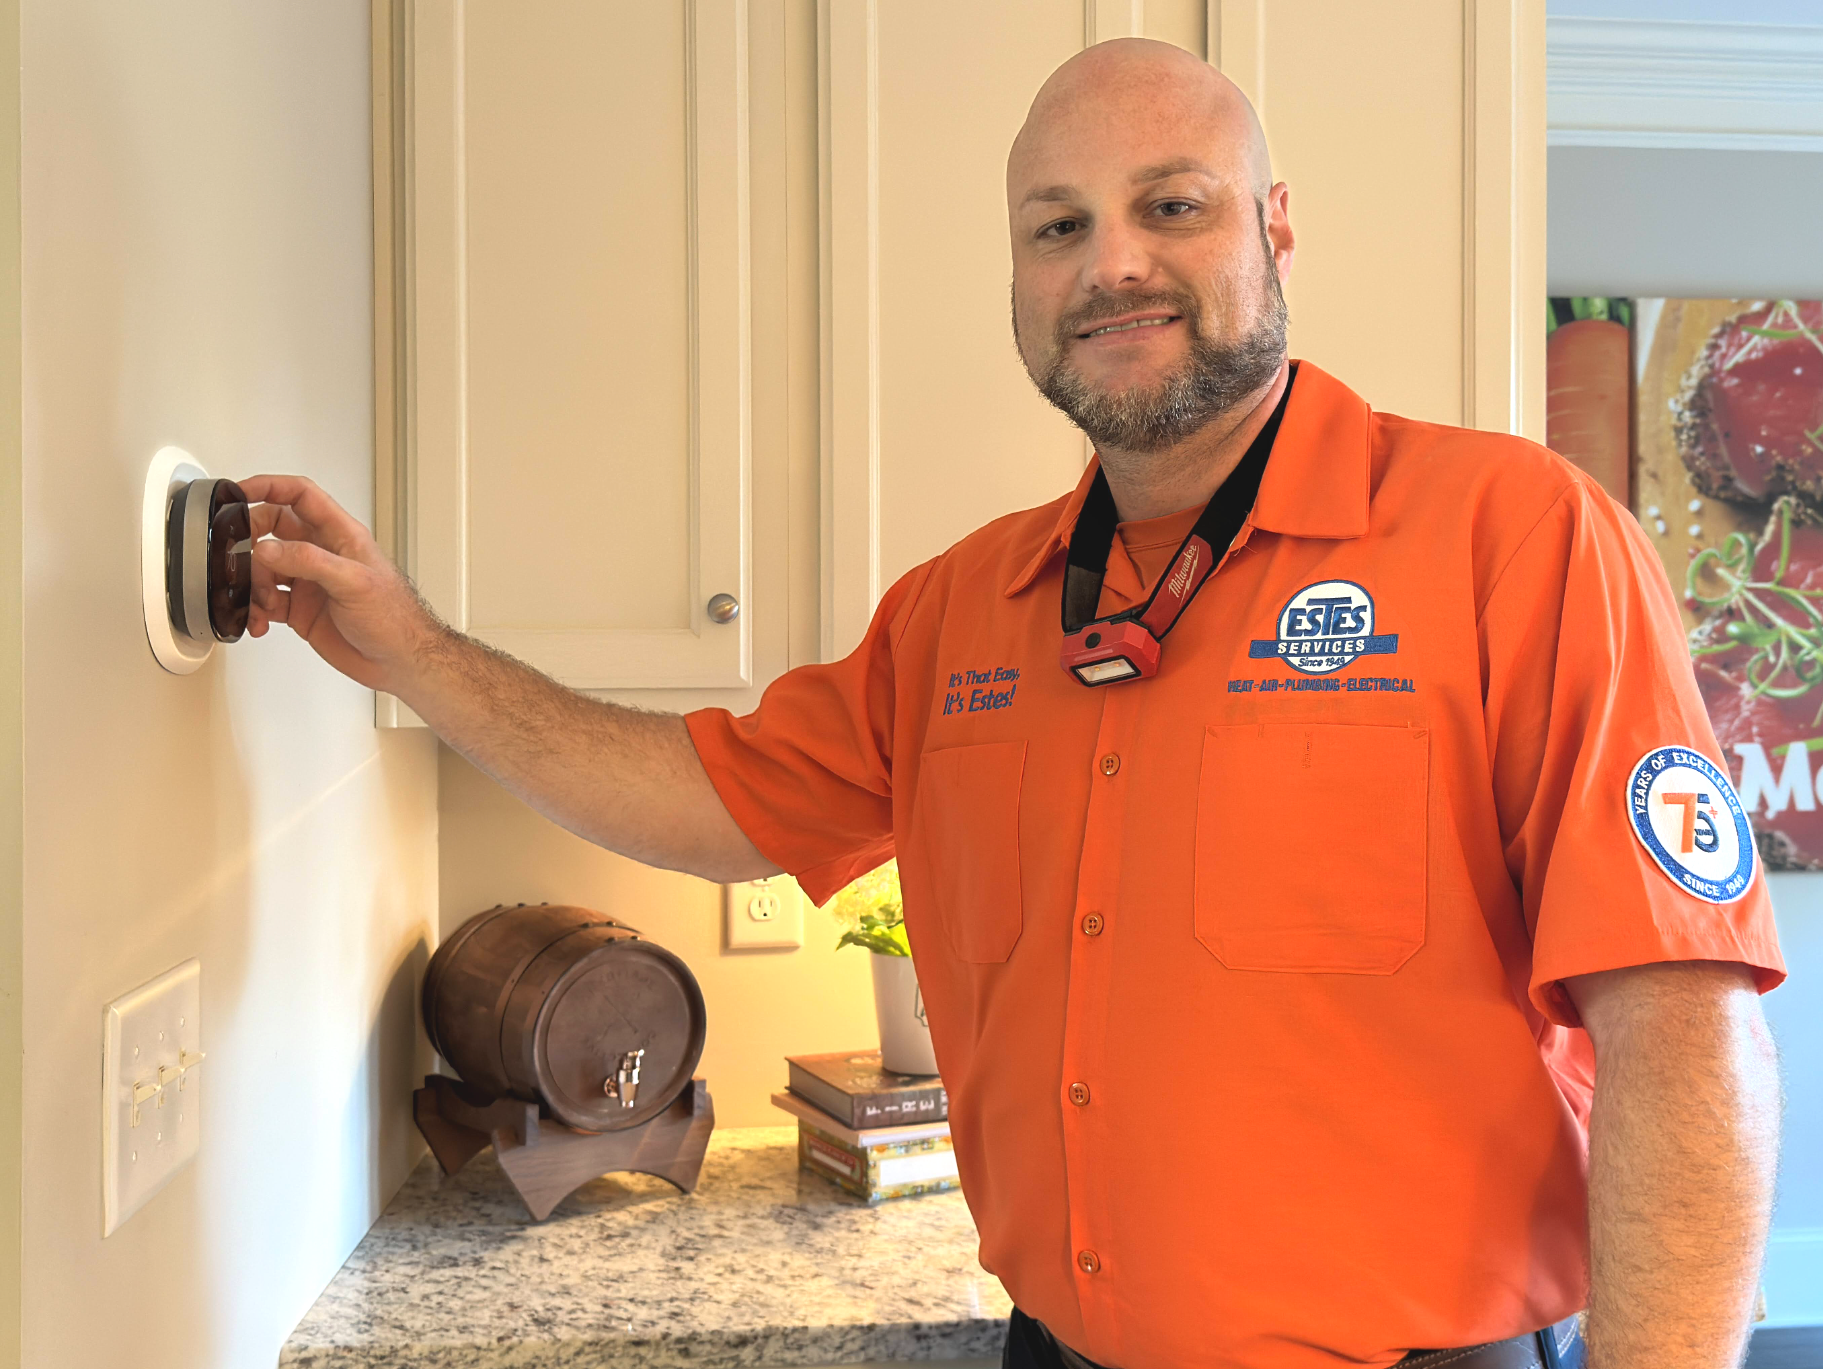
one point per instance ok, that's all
(1118, 259)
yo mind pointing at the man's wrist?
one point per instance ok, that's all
(428, 649)
(432, 664)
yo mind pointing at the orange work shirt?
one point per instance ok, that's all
(1244, 979)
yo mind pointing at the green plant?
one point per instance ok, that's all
(1575, 308)
(1780, 625)
(872, 913)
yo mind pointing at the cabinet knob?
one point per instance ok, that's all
(724, 608)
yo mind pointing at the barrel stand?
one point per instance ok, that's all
(546, 1161)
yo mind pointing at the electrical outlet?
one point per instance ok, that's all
(151, 1102)
(764, 914)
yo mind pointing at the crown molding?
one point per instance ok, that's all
(1668, 83)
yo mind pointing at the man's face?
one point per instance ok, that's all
(1146, 280)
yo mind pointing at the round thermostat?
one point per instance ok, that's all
(196, 562)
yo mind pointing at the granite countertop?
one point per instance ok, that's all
(761, 1265)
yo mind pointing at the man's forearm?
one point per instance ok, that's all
(623, 778)
(1683, 1153)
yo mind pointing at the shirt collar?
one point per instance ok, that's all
(1316, 481)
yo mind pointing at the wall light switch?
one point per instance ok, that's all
(765, 914)
(151, 1089)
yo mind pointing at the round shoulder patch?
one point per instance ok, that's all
(1688, 817)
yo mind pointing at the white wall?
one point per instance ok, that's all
(1685, 223)
(196, 254)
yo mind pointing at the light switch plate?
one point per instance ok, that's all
(764, 914)
(151, 1089)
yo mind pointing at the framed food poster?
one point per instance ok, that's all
(1727, 480)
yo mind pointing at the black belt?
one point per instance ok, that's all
(1553, 1347)
(1030, 1346)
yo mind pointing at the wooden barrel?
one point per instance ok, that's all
(567, 1007)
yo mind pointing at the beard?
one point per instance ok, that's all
(1214, 378)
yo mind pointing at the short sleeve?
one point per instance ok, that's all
(808, 774)
(1586, 670)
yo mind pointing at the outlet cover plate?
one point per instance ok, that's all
(765, 914)
(157, 1026)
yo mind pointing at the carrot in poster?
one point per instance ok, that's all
(1588, 351)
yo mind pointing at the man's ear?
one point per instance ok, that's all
(1278, 229)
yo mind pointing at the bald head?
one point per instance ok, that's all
(1139, 91)
(1149, 249)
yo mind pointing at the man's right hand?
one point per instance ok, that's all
(322, 573)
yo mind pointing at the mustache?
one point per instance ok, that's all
(1093, 313)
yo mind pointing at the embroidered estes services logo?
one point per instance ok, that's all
(1687, 816)
(1324, 627)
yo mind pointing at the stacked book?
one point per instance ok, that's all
(872, 1132)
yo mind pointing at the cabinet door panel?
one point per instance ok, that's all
(578, 287)
(931, 427)
(1332, 149)
(965, 437)
(577, 470)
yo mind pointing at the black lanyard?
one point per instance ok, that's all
(1196, 559)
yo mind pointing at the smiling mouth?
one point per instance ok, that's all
(1130, 324)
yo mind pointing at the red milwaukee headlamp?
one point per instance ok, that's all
(1129, 645)
(1110, 650)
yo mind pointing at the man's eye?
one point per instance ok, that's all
(1061, 229)
(1175, 209)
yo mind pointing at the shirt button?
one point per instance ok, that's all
(1110, 763)
(1091, 925)
(1087, 1261)
(1079, 1094)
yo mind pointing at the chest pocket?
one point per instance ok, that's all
(1310, 846)
(966, 832)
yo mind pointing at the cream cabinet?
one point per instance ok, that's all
(571, 287)
(582, 316)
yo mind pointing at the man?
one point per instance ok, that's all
(1260, 973)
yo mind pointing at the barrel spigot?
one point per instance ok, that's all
(624, 1082)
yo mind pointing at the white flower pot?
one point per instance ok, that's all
(904, 1036)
